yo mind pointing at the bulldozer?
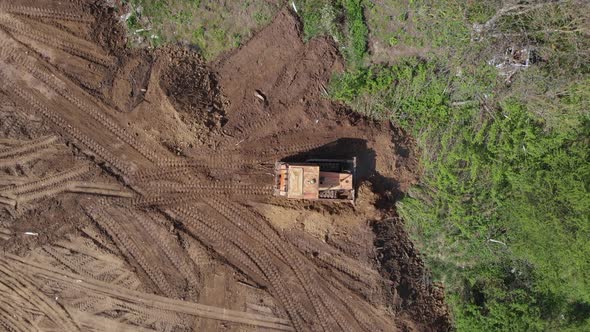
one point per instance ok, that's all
(316, 179)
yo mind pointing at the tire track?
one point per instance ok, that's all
(175, 254)
(50, 181)
(7, 318)
(21, 285)
(310, 280)
(59, 87)
(5, 233)
(261, 259)
(207, 189)
(17, 26)
(147, 300)
(273, 243)
(103, 189)
(129, 248)
(193, 222)
(38, 12)
(24, 159)
(8, 84)
(31, 146)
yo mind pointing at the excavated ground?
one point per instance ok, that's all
(136, 187)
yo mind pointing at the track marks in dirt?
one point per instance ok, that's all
(147, 303)
(208, 189)
(28, 191)
(85, 107)
(102, 189)
(28, 31)
(253, 229)
(198, 191)
(5, 233)
(115, 222)
(22, 288)
(63, 13)
(21, 154)
(27, 147)
(173, 251)
(50, 181)
(26, 98)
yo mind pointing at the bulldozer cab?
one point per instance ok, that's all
(316, 179)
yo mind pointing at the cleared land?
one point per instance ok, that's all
(136, 187)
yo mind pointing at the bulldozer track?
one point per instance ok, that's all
(8, 201)
(175, 255)
(39, 194)
(93, 323)
(69, 262)
(270, 271)
(103, 189)
(367, 277)
(8, 318)
(65, 127)
(150, 300)
(59, 178)
(284, 151)
(21, 285)
(192, 220)
(5, 234)
(160, 188)
(158, 173)
(359, 315)
(129, 247)
(16, 26)
(257, 230)
(58, 86)
(221, 161)
(244, 132)
(22, 160)
(37, 12)
(31, 146)
(261, 260)
(170, 199)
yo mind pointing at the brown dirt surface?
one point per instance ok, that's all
(136, 187)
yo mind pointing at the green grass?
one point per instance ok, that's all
(343, 20)
(502, 213)
(213, 27)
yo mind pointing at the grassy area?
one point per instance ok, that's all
(343, 20)
(211, 26)
(502, 213)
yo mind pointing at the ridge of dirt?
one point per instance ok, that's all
(151, 171)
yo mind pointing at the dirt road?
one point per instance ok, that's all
(135, 187)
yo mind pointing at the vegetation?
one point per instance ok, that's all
(341, 19)
(502, 213)
(210, 26)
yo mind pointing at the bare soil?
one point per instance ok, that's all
(136, 187)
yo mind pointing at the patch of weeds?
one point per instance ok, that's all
(357, 31)
(261, 18)
(236, 40)
(480, 11)
(214, 27)
(343, 20)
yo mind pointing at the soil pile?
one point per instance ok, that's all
(193, 90)
(136, 187)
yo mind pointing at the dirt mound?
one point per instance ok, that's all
(132, 203)
(193, 89)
